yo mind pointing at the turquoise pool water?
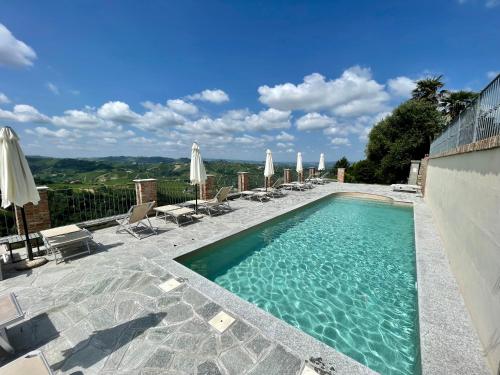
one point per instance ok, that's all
(342, 270)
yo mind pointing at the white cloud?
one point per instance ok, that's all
(214, 96)
(314, 120)
(118, 111)
(492, 74)
(52, 88)
(182, 107)
(4, 99)
(268, 120)
(23, 113)
(340, 142)
(401, 86)
(285, 137)
(14, 52)
(353, 93)
(284, 144)
(80, 119)
(159, 116)
(45, 132)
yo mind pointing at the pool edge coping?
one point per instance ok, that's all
(434, 355)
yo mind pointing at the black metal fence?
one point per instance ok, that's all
(69, 206)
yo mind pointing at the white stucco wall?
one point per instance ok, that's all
(463, 192)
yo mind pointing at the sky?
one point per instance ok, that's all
(94, 78)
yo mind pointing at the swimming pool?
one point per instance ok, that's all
(342, 270)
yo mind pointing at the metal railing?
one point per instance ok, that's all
(174, 191)
(480, 120)
(70, 206)
(7, 221)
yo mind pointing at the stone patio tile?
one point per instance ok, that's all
(242, 331)
(277, 362)
(208, 368)
(258, 345)
(236, 361)
(209, 310)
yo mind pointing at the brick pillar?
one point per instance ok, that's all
(145, 190)
(243, 181)
(300, 176)
(207, 189)
(422, 173)
(287, 176)
(340, 174)
(312, 172)
(38, 217)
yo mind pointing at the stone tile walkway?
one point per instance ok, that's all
(105, 313)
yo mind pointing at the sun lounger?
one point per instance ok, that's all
(10, 313)
(60, 240)
(406, 188)
(33, 363)
(137, 221)
(251, 194)
(275, 190)
(219, 202)
(175, 213)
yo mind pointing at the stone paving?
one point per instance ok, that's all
(105, 313)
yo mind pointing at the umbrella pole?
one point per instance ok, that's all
(26, 233)
(196, 198)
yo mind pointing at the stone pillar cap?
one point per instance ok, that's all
(145, 180)
(242, 172)
(42, 187)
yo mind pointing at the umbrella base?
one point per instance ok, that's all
(27, 264)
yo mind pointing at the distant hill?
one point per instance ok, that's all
(115, 170)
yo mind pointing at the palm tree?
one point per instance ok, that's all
(429, 89)
(454, 102)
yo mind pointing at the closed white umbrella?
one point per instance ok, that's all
(269, 169)
(299, 167)
(197, 174)
(321, 165)
(16, 181)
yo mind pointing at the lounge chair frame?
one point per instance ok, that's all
(57, 240)
(220, 201)
(136, 221)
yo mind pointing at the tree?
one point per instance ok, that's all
(404, 135)
(362, 171)
(429, 89)
(453, 102)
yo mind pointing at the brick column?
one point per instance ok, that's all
(207, 189)
(243, 181)
(38, 217)
(422, 174)
(340, 174)
(145, 190)
(287, 176)
(312, 172)
(300, 176)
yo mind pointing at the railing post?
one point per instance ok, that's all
(146, 190)
(476, 119)
(38, 217)
(207, 189)
(243, 181)
(340, 174)
(287, 175)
